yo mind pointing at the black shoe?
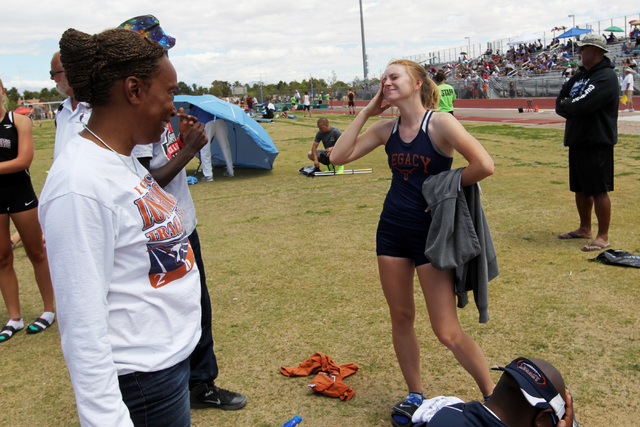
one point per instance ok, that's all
(210, 396)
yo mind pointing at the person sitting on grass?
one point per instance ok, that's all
(328, 135)
(269, 110)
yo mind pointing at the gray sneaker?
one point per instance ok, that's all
(206, 179)
(210, 396)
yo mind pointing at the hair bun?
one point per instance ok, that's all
(93, 63)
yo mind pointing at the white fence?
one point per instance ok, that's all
(474, 50)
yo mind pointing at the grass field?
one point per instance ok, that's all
(290, 262)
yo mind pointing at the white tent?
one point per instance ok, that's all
(525, 37)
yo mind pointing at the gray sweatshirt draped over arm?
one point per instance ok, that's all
(459, 237)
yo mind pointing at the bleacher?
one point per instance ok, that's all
(522, 82)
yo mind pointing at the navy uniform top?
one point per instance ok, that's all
(411, 163)
(9, 151)
(472, 414)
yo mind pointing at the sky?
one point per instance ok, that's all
(260, 40)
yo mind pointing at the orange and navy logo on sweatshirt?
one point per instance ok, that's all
(168, 247)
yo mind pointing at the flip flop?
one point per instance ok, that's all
(572, 235)
(595, 246)
(39, 325)
(7, 332)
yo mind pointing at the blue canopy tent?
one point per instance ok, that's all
(573, 32)
(251, 146)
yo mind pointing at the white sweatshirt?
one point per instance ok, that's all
(127, 288)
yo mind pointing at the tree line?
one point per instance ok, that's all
(221, 89)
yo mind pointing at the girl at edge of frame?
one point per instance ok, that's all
(18, 203)
(401, 234)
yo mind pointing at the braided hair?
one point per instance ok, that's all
(429, 93)
(93, 63)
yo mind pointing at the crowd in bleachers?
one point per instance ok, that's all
(535, 59)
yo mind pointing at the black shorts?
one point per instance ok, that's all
(15, 201)
(401, 242)
(307, 107)
(323, 157)
(591, 169)
(352, 104)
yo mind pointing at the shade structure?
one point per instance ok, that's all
(525, 38)
(251, 146)
(614, 29)
(574, 32)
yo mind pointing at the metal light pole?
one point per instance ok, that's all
(364, 49)
(468, 46)
(574, 20)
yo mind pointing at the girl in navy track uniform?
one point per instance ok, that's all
(419, 143)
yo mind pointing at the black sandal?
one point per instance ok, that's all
(39, 325)
(6, 337)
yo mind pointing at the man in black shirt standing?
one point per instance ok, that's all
(589, 102)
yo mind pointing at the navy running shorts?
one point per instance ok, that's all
(393, 240)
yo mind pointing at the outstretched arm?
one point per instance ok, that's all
(351, 145)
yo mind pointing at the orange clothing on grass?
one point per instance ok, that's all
(329, 378)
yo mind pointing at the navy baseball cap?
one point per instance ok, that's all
(149, 27)
(535, 385)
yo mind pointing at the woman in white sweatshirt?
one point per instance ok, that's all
(123, 271)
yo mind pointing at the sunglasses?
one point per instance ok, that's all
(53, 73)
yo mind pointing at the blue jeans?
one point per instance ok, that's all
(204, 366)
(158, 398)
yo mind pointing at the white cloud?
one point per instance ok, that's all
(251, 40)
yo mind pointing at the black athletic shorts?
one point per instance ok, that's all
(13, 201)
(591, 169)
(323, 157)
(401, 242)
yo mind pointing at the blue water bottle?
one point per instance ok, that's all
(293, 422)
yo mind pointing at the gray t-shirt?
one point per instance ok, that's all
(328, 138)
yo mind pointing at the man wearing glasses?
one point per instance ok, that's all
(71, 115)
